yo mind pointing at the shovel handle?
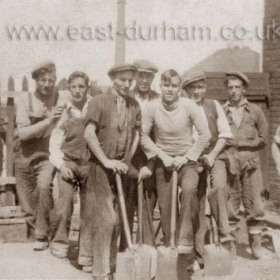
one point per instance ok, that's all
(123, 211)
(173, 208)
(140, 189)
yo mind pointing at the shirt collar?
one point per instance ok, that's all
(244, 103)
(70, 106)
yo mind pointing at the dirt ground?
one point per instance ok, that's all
(19, 261)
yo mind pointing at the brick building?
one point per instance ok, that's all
(271, 65)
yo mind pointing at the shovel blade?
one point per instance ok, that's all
(170, 265)
(217, 261)
(136, 265)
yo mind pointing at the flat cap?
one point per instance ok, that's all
(239, 75)
(48, 66)
(121, 67)
(188, 79)
(143, 65)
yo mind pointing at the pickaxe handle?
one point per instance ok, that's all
(173, 208)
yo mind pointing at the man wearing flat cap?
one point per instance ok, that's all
(143, 93)
(212, 160)
(250, 131)
(35, 118)
(112, 124)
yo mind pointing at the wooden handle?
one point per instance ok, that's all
(173, 208)
(140, 212)
(123, 211)
(215, 235)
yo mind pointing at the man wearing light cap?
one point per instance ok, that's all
(36, 116)
(143, 94)
(212, 160)
(112, 124)
(250, 130)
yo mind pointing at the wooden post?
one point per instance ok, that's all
(120, 34)
(24, 85)
(10, 196)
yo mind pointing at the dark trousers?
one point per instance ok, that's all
(100, 223)
(188, 214)
(64, 207)
(217, 197)
(34, 190)
(149, 203)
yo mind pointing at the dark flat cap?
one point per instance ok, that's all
(239, 75)
(188, 79)
(143, 65)
(121, 67)
(48, 66)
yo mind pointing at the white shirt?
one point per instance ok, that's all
(58, 134)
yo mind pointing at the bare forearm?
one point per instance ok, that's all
(94, 144)
(220, 145)
(33, 131)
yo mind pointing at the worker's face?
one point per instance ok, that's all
(45, 84)
(144, 81)
(122, 82)
(196, 91)
(170, 90)
(236, 91)
(78, 89)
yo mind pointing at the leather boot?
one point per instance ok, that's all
(255, 242)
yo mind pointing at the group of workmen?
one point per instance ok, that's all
(142, 136)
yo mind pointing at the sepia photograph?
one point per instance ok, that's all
(140, 139)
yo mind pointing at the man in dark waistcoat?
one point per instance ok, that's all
(212, 161)
(70, 156)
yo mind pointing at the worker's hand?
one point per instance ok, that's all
(208, 160)
(167, 162)
(116, 166)
(66, 172)
(178, 162)
(144, 173)
(56, 113)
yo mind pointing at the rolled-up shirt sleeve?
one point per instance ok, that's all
(222, 123)
(94, 111)
(56, 141)
(202, 129)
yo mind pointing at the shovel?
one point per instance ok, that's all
(217, 260)
(170, 265)
(136, 262)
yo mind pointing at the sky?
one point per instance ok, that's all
(82, 50)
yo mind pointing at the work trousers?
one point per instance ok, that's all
(64, 207)
(217, 197)
(245, 187)
(188, 214)
(34, 190)
(100, 223)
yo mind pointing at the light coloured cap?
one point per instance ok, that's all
(143, 65)
(239, 75)
(121, 67)
(193, 77)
